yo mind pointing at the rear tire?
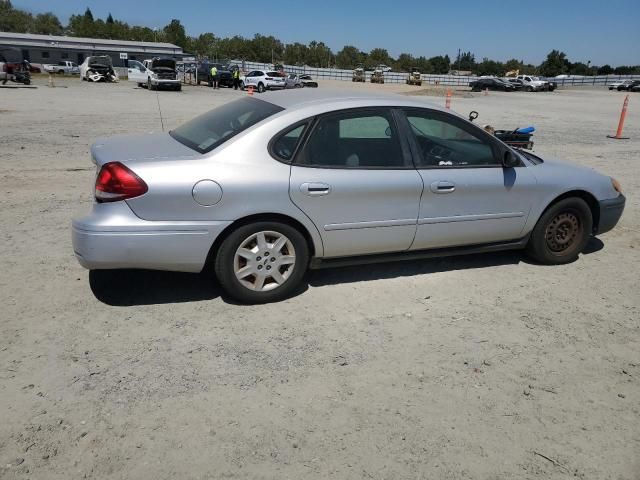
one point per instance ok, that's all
(562, 232)
(250, 276)
(261, 87)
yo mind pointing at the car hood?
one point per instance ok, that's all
(163, 63)
(151, 147)
(100, 61)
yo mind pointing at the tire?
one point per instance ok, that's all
(228, 262)
(562, 232)
(261, 88)
(529, 89)
(60, 72)
(242, 87)
(149, 85)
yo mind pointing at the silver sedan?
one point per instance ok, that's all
(263, 189)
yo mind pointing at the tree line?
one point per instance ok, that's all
(268, 49)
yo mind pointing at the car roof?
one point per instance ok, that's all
(335, 99)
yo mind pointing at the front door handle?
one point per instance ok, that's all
(314, 189)
(443, 187)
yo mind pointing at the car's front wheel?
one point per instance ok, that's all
(262, 262)
(562, 232)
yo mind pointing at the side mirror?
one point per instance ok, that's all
(473, 115)
(510, 159)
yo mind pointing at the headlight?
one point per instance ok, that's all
(616, 185)
(154, 75)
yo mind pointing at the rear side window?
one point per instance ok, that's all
(284, 146)
(208, 131)
(354, 139)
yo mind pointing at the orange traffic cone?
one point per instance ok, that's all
(447, 102)
(623, 115)
(250, 89)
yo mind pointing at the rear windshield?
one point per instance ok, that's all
(273, 74)
(208, 131)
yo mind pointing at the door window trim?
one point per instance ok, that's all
(402, 140)
(496, 147)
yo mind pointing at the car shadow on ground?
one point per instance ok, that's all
(125, 288)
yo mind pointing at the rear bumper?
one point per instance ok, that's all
(112, 237)
(610, 212)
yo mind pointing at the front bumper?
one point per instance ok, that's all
(165, 82)
(610, 212)
(112, 237)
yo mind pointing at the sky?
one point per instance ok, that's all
(600, 31)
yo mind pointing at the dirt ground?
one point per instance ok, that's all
(482, 367)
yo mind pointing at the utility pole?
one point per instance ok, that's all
(458, 61)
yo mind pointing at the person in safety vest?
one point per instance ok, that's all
(214, 77)
(236, 78)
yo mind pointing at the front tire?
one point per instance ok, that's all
(562, 232)
(262, 262)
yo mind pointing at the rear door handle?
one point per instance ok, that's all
(314, 189)
(443, 187)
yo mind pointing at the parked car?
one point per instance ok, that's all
(620, 85)
(155, 73)
(629, 86)
(635, 87)
(63, 67)
(225, 77)
(261, 189)
(308, 81)
(491, 84)
(533, 84)
(262, 80)
(292, 81)
(98, 68)
(383, 68)
(517, 83)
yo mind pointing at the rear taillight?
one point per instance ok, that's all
(117, 182)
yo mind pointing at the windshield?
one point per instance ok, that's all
(208, 131)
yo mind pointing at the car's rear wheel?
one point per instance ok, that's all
(262, 262)
(529, 89)
(562, 232)
(261, 87)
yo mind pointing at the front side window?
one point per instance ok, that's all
(352, 139)
(206, 132)
(443, 142)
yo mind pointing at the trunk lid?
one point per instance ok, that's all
(132, 149)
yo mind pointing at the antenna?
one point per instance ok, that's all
(160, 110)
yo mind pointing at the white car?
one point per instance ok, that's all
(263, 80)
(98, 68)
(383, 68)
(154, 74)
(620, 83)
(532, 84)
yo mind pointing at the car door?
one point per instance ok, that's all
(354, 179)
(468, 198)
(136, 72)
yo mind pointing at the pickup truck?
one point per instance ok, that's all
(64, 67)
(534, 84)
(154, 74)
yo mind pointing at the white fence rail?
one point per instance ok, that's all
(396, 77)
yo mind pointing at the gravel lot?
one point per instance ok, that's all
(485, 367)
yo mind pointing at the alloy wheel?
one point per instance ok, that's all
(264, 261)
